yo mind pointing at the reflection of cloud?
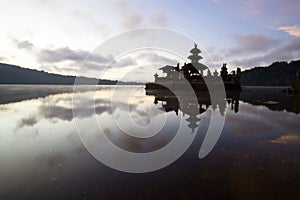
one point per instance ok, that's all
(262, 121)
(50, 161)
(83, 108)
(64, 113)
(143, 145)
(238, 124)
(29, 121)
(3, 108)
(286, 139)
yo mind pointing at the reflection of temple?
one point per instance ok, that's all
(193, 72)
(193, 106)
(274, 99)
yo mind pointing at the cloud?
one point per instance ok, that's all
(291, 30)
(159, 19)
(257, 49)
(287, 7)
(153, 57)
(2, 58)
(130, 18)
(70, 61)
(251, 43)
(66, 54)
(287, 51)
(91, 23)
(127, 61)
(61, 54)
(124, 62)
(263, 11)
(23, 44)
(218, 2)
(30, 121)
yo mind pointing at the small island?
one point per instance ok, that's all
(193, 72)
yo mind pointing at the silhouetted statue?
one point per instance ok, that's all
(155, 76)
(209, 74)
(216, 73)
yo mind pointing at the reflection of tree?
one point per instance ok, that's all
(187, 105)
(296, 103)
(273, 98)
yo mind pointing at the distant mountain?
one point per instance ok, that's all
(11, 74)
(277, 74)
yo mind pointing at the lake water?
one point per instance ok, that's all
(48, 141)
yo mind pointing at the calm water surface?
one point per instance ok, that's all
(42, 157)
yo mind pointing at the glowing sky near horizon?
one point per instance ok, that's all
(56, 36)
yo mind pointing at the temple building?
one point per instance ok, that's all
(193, 72)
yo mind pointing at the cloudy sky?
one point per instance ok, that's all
(56, 36)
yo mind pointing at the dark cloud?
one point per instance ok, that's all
(23, 44)
(79, 59)
(67, 54)
(286, 52)
(250, 43)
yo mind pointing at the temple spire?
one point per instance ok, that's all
(195, 57)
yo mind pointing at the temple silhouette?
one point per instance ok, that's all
(193, 72)
(172, 94)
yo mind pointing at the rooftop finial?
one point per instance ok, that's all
(195, 45)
